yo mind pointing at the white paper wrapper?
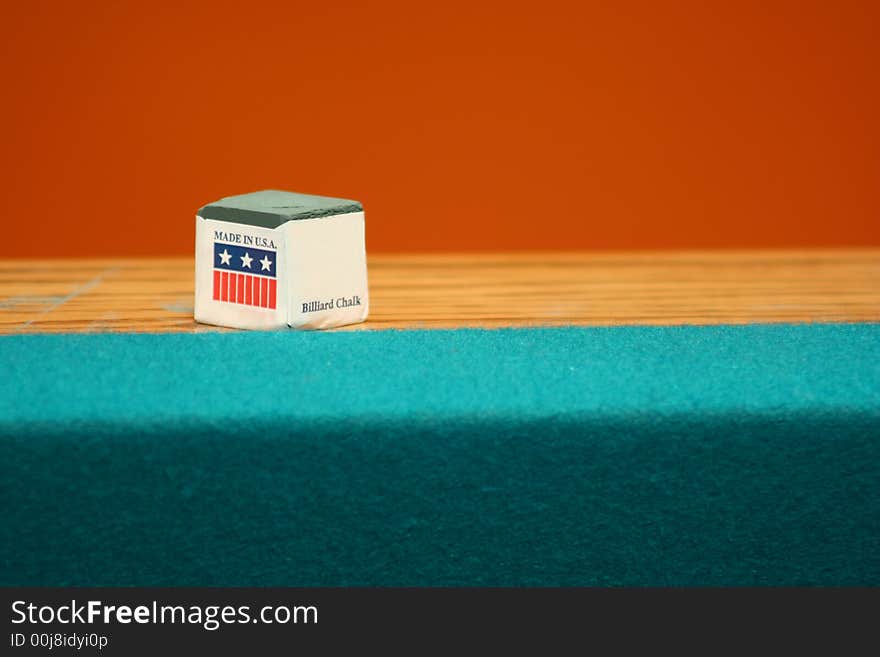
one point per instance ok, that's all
(306, 274)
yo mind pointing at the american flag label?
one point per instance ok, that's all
(244, 275)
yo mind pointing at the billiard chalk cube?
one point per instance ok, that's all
(273, 259)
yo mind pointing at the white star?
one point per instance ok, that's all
(267, 264)
(224, 257)
(246, 260)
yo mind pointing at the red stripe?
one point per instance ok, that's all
(245, 289)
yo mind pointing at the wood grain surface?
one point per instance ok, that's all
(491, 290)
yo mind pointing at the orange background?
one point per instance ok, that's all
(460, 125)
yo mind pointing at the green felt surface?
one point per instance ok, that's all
(270, 208)
(625, 456)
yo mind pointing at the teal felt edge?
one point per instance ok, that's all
(627, 456)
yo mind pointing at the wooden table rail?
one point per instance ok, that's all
(489, 290)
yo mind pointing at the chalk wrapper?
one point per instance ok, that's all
(273, 259)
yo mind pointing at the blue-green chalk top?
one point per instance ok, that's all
(270, 208)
